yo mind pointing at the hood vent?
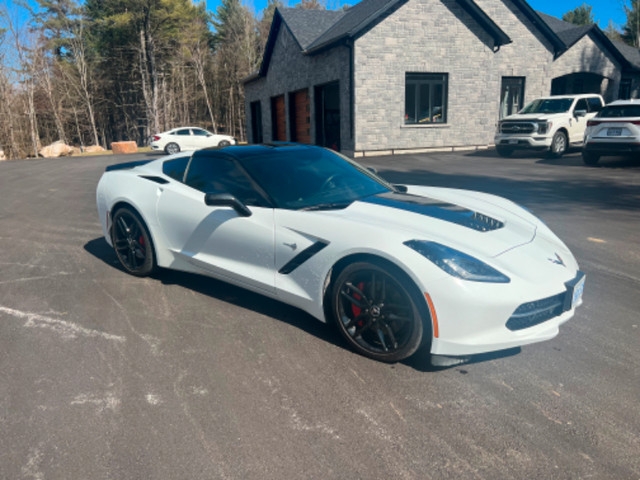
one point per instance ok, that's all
(447, 212)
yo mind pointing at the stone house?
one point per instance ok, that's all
(405, 76)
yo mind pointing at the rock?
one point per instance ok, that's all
(76, 150)
(2, 155)
(124, 147)
(93, 149)
(56, 149)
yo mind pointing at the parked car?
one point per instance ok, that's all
(189, 138)
(615, 130)
(550, 124)
(392, 266)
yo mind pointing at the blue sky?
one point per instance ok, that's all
(603, 10)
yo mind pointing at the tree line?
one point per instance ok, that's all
(98, 71)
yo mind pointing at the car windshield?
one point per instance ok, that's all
(312, 178)
(548, 105)
(614, 111)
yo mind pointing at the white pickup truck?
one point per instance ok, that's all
(550, 124)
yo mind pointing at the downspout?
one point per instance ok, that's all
(352, 105)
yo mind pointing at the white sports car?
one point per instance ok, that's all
(188, 138)
(393, 266)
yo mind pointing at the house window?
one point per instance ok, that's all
(625, 89)
(511, 95)
(425, 98)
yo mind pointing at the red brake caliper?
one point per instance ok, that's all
(356, 310)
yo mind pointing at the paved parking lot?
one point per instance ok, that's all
(109, 376)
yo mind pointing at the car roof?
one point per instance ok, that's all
(624, 102)
(582, 95)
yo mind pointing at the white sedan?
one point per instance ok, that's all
(394, 267)
(189, 138)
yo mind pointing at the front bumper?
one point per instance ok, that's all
(476, 318)
(523, 142)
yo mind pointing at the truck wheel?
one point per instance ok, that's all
(558, 145)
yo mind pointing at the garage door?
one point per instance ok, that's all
(300, 116)
(278, 119)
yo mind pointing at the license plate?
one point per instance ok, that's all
(513, 142)
(614, 132)
(574, 291)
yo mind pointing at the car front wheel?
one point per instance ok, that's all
(376, 312)
(224, 143)
(558, 145)
(172, 148)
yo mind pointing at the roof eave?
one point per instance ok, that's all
(498, 35)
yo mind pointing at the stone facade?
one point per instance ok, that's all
(289, 71)
(440, 37)
(587, 55)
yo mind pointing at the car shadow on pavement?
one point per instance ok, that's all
(420, 361)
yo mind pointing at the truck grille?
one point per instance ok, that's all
(517, 127)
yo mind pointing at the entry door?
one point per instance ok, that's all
(511, 95)
(256, 122)
(327, 102)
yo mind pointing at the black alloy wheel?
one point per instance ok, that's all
(224, 143)
(376, 312)
(132, 243)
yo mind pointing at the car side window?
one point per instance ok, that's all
(581, 105)
(220, 174)
(199, 132)
(595, 104)
(175, 168)
(184, 131)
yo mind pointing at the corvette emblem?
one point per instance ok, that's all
(558, 260)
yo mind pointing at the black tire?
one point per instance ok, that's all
(224, 143)
(171, 148)
(559, 145)
(504, 151)
(132, 243)
(376, 311)
(590, 158)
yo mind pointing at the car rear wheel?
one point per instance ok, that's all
(132, 243)
(590, 158)
(558, 145)
(224, 143)
(376, 312)
(172, 148)
(504, 151)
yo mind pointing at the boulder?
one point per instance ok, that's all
(2, 155)
(93, 149)
(56, 149)
(124, 147)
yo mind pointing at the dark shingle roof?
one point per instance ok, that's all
(307, 25)
(570, 34)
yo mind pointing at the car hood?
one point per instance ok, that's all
(529, 117)
(471, 221)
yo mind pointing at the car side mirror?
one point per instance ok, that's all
(373, 170)
(579, 113)
(209, 134)
(226, 200)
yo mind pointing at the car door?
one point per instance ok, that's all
(202, 138)
(183, 138)
(227, 245)
(578, 122)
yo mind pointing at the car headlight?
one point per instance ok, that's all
(544, 127)
(456, 263)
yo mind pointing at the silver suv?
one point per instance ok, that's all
(613, 131)
(550, 124)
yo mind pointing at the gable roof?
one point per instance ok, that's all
(570, 34)
(318, 30)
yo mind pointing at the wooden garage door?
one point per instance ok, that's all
(278, 119)
(300, 117)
